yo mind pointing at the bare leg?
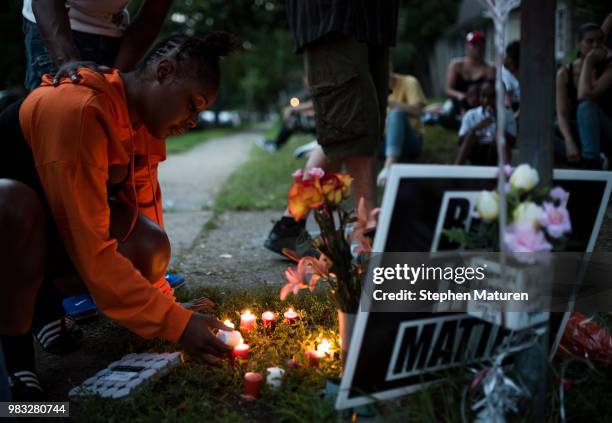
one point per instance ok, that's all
(22, 255)
(147, 247)
(362, 171)
(465, 149)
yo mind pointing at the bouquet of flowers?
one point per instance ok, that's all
(340, 251)
(538, 219)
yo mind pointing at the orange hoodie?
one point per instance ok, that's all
(76, 132)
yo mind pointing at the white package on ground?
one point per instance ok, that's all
(122, 377)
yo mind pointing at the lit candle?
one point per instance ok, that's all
(252, 384)
(290, 316)
(324, 348)
(275, 376)
(267, 318)
(242, 351)
(248, 321)
(312, 358)
(231, 338)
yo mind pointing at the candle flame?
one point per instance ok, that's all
(290, 310)
(247, 313)
(324, 347)
(228, 323)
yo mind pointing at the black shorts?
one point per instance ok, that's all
(349, 82)
(17, 163)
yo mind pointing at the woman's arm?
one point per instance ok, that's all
(562, 108)
(54, 27)
(451, 77)
(589, 86)
(139, 35)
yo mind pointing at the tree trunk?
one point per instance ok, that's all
(537, 80)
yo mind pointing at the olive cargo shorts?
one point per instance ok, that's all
(349, 82)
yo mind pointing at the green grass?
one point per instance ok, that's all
(263, 181)
(198, 393)
(439, 146)
(182, 143)
(203, 393)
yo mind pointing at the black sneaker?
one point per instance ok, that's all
(60, 336)
(25, 386)
(285, 235)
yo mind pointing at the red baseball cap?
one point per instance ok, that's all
(474, 37)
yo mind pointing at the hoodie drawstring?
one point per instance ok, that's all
(133, 179)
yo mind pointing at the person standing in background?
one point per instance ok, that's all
(60, 32)
(345, 44)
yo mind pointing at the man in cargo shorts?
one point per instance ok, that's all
(346, 58)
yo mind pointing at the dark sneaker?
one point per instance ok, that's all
(60, 336)
(25, 386)
(284, 235)
(267, 145)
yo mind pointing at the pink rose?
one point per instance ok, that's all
(556, 220)
(298, 175)
(558, 193)
(316, 172)
(524, 238)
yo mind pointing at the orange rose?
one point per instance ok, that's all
(331, 187)
(335, 187)
(304, 196)
(346, 182)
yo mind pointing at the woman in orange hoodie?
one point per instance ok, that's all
(79, 192)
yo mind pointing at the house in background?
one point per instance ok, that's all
(473, 16)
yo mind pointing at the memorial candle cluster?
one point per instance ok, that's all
(248, 323)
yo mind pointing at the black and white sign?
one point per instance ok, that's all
(393, 354)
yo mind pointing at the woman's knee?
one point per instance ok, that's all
(148, 248)
(22, 218)
(395, 115)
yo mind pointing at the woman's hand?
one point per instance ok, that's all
(200, 343)
(597, 55)
(70, 69)
(571, 152)
(199, 304)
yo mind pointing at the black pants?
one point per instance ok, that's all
(17, 163)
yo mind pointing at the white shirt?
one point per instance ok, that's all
(108, 17)
(485, 135)
(511, 84)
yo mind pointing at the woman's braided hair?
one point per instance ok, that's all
(202, 52)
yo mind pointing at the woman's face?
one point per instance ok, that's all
(175, 101)
(591, 40)
(475, 49)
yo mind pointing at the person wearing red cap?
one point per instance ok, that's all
(464, 72)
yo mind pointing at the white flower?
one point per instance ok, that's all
(524, 178)
(487, 205)
(527, 212)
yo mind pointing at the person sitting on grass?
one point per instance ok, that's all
(584, 102)
(78, 188)
(403, 129)
(296, 118)
(478, 130)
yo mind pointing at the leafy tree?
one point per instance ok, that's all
(420, 23)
